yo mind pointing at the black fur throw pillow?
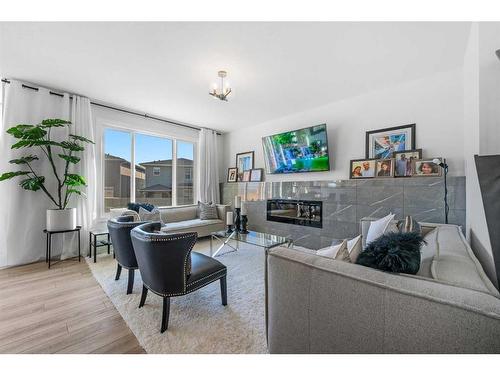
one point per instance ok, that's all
(393, 252)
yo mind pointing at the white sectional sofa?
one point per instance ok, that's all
(186, 219)
(321, 305)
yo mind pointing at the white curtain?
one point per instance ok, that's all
(22, 213)
(209, 171)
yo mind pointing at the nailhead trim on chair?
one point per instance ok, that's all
(183, 293)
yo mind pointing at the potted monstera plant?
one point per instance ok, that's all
(68, 184)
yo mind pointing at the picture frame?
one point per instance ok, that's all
(232, 174)
(404, 164)
(384, 168)
(362, 168)
(246, 176)
(256, 174)
(382, 143)
(427, 168)
(244, 162)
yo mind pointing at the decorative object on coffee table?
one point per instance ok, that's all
(244, 162)
(237, 211)
(68, 184)
(229, 221)
(383, 143)
(405, 162)
(244, 218)
(442, 164)
(232, 174)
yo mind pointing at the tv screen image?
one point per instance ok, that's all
(303, 150)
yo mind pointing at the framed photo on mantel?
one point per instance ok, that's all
(383, 143)
(244, 162)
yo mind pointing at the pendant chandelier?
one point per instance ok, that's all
(221, 92)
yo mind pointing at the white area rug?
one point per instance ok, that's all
(198, 321)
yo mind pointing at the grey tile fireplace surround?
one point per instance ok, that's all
(345, 202)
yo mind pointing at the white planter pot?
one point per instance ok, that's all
(61, 219)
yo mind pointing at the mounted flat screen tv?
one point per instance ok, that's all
(303, 150)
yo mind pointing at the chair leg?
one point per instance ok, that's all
(130, 285)
(143, 296)
(165, 315)
(223, 290)
(118, 272)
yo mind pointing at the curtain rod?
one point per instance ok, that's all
(116, 108)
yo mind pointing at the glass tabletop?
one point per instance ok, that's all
(254, 238)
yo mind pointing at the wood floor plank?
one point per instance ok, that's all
(61, 310)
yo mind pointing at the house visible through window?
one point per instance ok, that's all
(151, 180)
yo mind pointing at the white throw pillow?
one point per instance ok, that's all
(146, 215)
(378, 227)
(354, 247)
(332, 251)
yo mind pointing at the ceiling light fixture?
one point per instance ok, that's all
(223, 92)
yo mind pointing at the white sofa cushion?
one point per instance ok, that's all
(186, 224)
(455, 263)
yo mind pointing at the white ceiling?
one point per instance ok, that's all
(275, 69)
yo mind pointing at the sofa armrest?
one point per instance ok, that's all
(221, 211)
(320, 305)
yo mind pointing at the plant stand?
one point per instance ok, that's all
(48, 250)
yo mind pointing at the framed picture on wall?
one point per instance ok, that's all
(405, 162)
(384, 168)
(383, 143)
(427, 168)
(362, 168)
(244, 162)
(246, 176)
(232, 174)
(256, 174)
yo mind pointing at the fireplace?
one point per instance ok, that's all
(297, 212)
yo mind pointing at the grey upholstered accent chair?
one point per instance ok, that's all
(169, 268)
(119, 232)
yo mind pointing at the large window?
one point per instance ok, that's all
(185, 164)
(154, 156)
(117, 173)
(163, 172)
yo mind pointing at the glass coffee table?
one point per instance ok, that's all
(265, 240)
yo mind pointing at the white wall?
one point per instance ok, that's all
(481, 129)
(434, 103)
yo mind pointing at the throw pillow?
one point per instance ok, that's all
(378, 228)
(355, 247)
(393, 252)
(131, 213)
(135, 206)
(146, 215)
(334, 251)
(409, 225)
(208, 211)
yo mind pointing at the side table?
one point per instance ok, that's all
(94, 243)
(48, 250)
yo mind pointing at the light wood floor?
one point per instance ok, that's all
(61, 310)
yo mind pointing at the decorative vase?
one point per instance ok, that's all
(244, 223)
(61, 219)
